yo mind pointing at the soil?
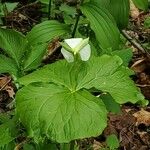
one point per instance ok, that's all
(132, 132)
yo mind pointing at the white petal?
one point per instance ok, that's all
(85, 53)
(67, 55)
(73, 42)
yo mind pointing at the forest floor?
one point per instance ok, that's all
(132, 126)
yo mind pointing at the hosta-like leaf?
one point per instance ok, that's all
(120, 11)
(141, 4)
(60, 114)
(102, 23)
(103, 3)
(7, 132)
(8, 65)
(35, 57)
(13, 43)
(46, 31)
(105, 73)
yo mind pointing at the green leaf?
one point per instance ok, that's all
(110, 104)
(120, 10)
(8, 65)
(13, 43)
(110, 76)
(7, 132)
(60, 114)
(103, 3)
(46, 32)
(44, 1)
(141, 4)
(105, 73)
(125, 55)
(103, 24)
(35, 57)
(11, 6)
(68, 10)
(147, 22)
(112, 142)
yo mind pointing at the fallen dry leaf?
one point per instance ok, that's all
(134, 10)
(143, 117)
(139, 66)
(4, 85)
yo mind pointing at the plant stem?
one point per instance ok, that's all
(72, 144)
(77, 20)
(49, 9)
(76, 25)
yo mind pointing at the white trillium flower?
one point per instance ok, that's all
(74, 46)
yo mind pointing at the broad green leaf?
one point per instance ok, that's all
(13, 43)
(103, 3)
(105, 73)
(110, 104)
(141, 4)
(120, 10)
(35, 57)
(8, 65)
(7, 132)
(125, 55)
(110, 77)
(61, 73)
(112, 142)
(60, 114)
(103, 24)
(46, 32)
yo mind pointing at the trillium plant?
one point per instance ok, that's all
(69, 99)
(72, 48)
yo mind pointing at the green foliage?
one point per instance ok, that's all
(147, 22)
(10, 6)
(25, 53)
(7, 132)
(102, 23)
(120, 11)
(8, 65)
(57, 102)
(110, 104)
(62, 108)
(141, 4)
(125, 55)
(6, 8)
(13, 43)
(46, 31)
(112, 142)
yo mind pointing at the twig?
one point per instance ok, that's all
(144, 85)
(134, 42)
(28, 5)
